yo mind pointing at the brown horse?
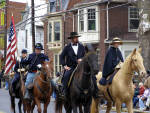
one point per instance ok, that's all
(42, 89)
(121, 90)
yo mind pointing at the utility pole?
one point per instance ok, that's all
(5, 37)
(33, 24)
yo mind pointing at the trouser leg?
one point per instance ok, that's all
(29, 80)
(66, 78)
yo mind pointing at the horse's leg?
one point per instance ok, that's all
(38, 105)
(74, 106)
(95, 105)
(118, 106)
(13, 104)
(109, 106)
(80, 109)
(46, 105)
(68, 107)
(129, 106)
(32, 106)
(87, 106)
(19, 105)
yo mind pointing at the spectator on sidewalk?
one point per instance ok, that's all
(136, 93)
(141, 89)
(143, 98)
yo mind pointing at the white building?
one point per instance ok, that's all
(24, 29)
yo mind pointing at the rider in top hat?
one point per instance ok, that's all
(112, 59)
(71, 55)
(19, 64)
(34, 60)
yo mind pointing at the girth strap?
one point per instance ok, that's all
(109, 94)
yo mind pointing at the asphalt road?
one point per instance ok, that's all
(5, 104)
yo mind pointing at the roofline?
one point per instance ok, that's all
(124, 41)
(98, 2)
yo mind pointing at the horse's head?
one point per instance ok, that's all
(137, 62)
(91, 59)
(46, 70)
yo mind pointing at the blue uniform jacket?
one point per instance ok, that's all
(23, 64)
(112, 59)
(69, 58)
(35, 59)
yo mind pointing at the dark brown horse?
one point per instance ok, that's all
(81, 88)
(42, 89)
(18, 93)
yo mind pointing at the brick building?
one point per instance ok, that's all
(97, 21)
(58, 24)
(101, 20)
(14, 8)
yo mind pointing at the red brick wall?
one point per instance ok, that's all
(16, 8)
(118, 21)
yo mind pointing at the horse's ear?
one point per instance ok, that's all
(140, 50)
(86, 49)
(134, 51)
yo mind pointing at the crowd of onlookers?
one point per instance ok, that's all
(141, 97)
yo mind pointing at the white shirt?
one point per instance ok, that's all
(75, 48)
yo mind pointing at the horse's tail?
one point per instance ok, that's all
(95, 105)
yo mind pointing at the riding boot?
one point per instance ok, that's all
(103, 81)
(95, 94)
(27, 95)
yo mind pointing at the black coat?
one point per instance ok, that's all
(35, 59)
(23, 64)
(112, 59)
(69, 58)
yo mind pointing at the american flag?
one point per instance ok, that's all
(11, 48)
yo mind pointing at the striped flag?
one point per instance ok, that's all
(11, 48)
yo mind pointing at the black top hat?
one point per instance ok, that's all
(39, 46)
(73, 34)
(24, 51)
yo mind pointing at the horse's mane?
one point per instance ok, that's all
(128, 60)
(79, 68)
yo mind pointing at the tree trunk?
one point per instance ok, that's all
(144, 29)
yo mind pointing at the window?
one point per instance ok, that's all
(91, 19)
(50, 32)
(52, 6)
(81, 20)
(57, 64)
(133, 19)
(57, 31)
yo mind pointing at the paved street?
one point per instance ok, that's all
(5, 103)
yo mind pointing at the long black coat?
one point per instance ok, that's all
(112, 59)
(69, 58)
(35, 59)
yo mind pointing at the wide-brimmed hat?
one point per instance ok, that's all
(116, 40)
(39, 46)
(73, 34)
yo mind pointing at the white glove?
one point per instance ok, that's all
(39, 66)
(19, 59)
